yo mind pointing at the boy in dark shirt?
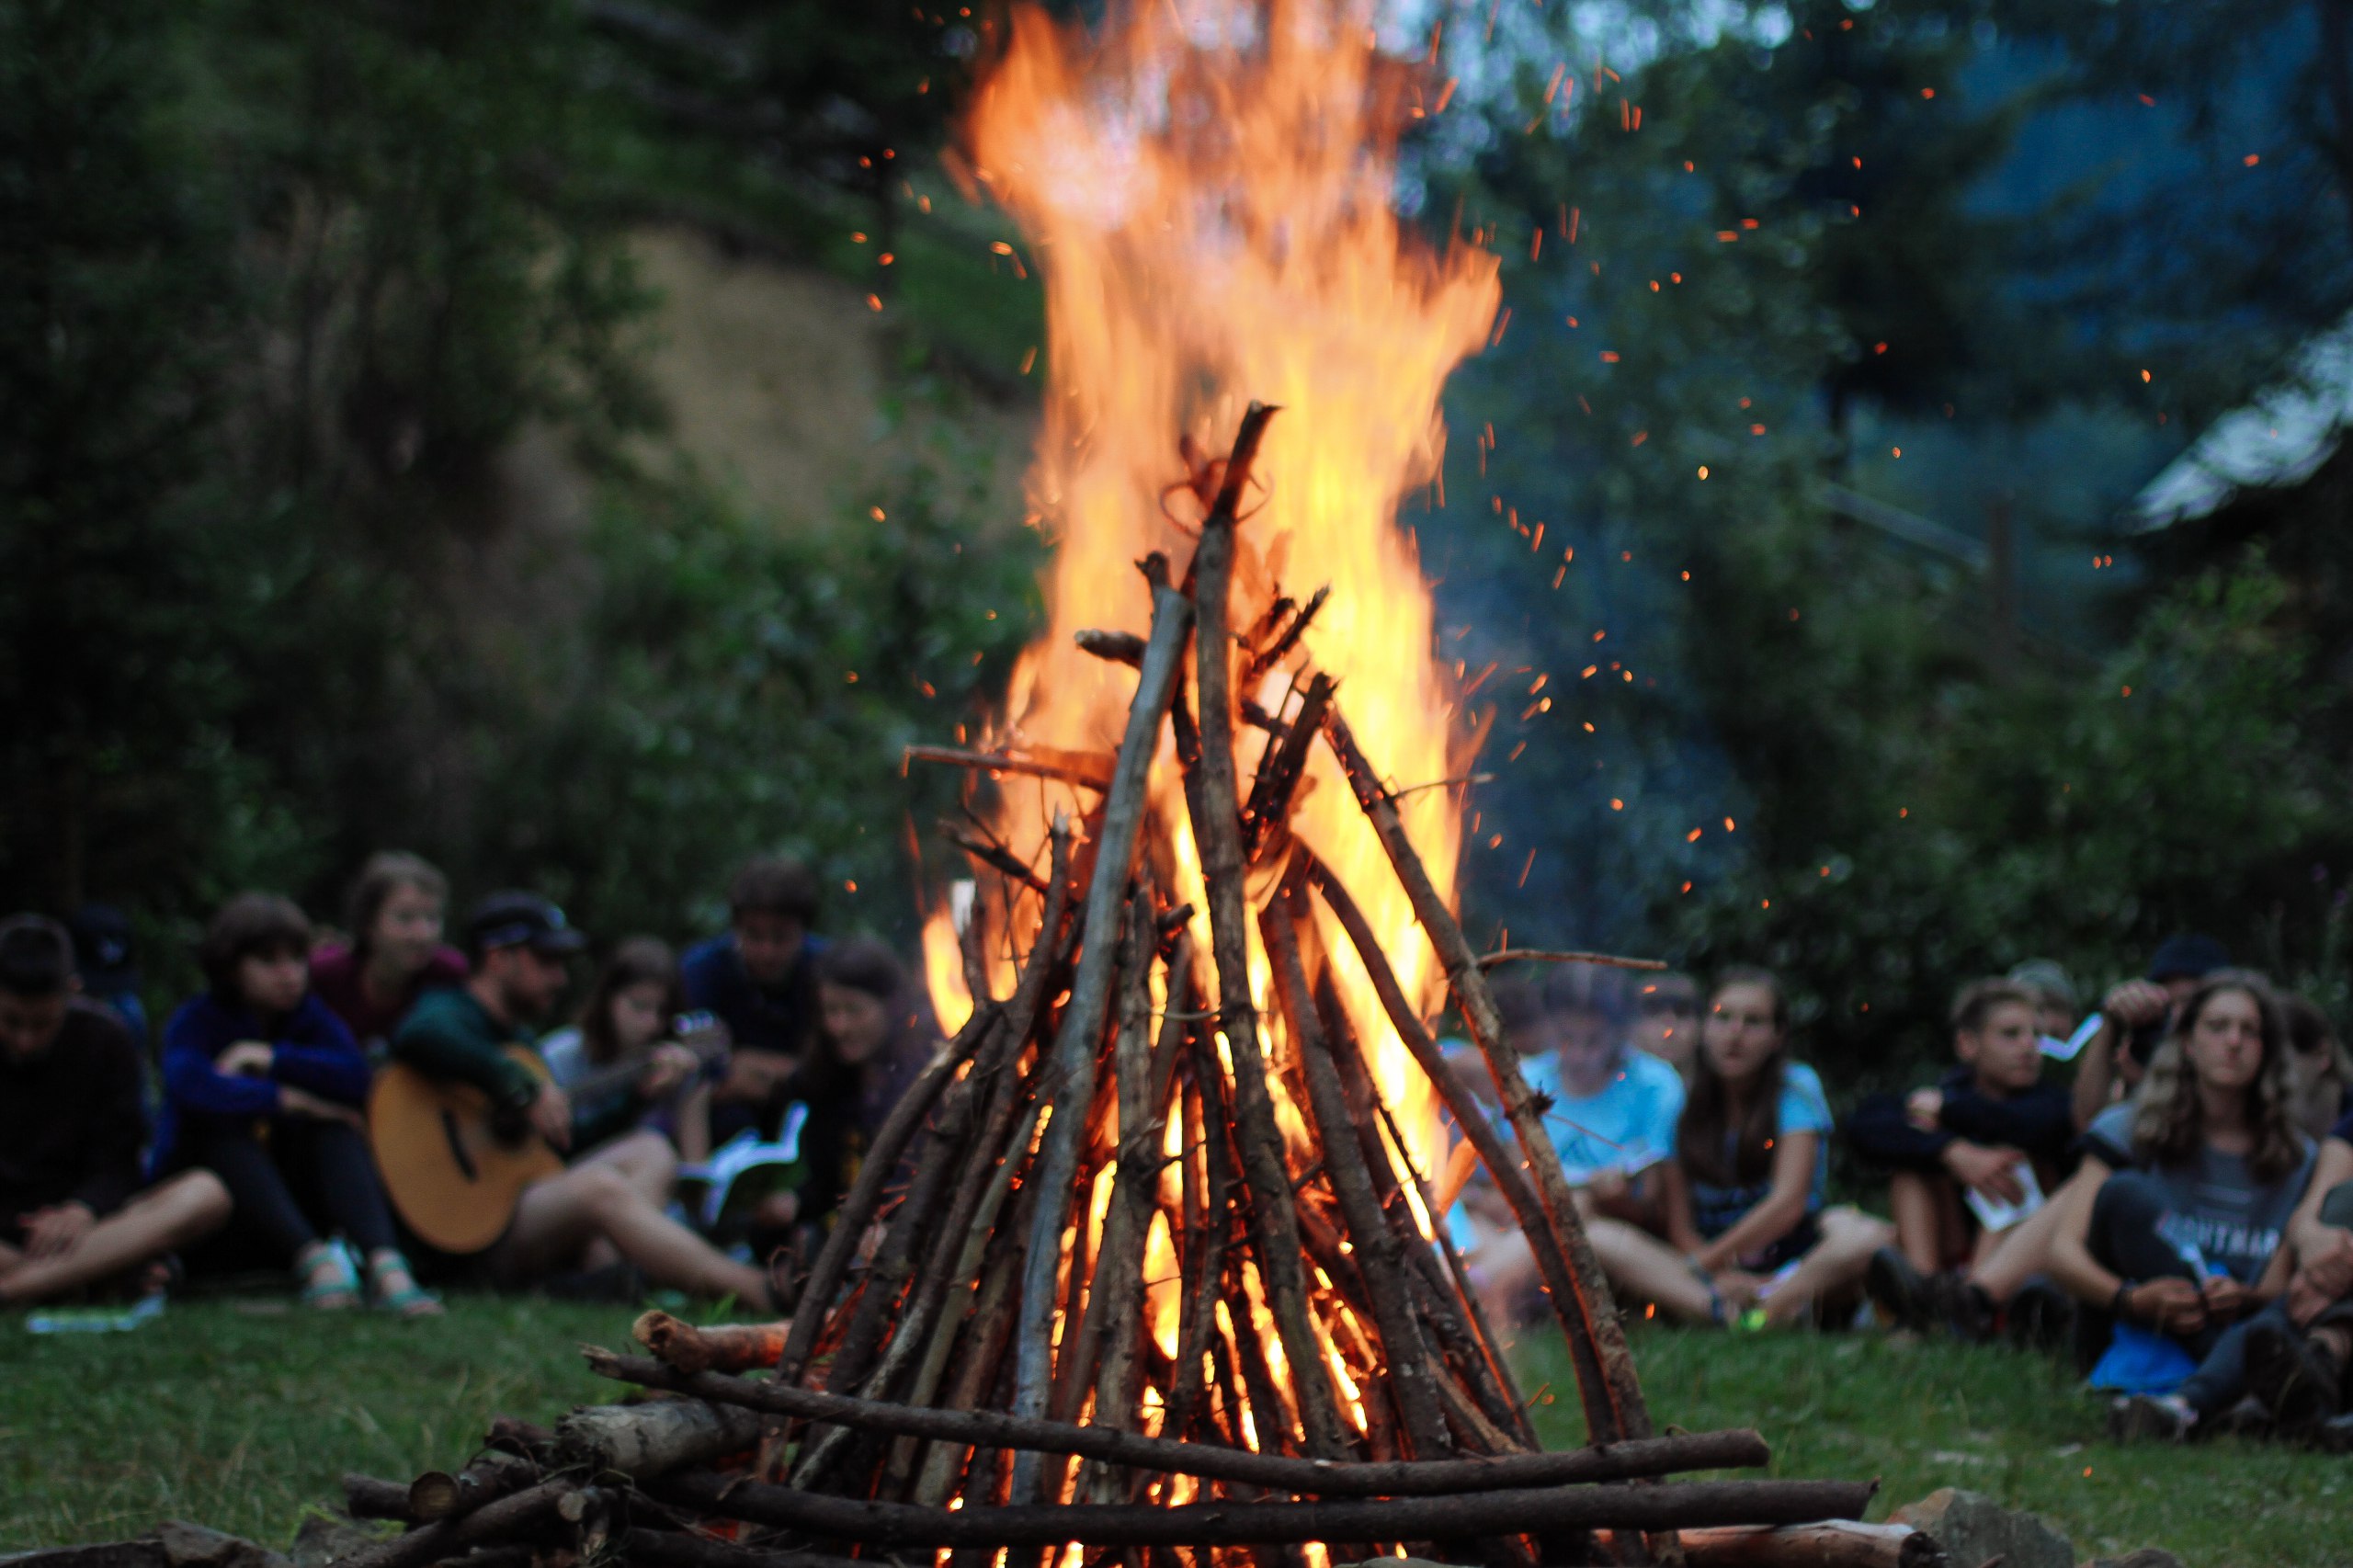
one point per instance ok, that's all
(761, 979)
(72, 1212)
(1969, 1159)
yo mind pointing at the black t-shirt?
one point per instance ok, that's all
(71, 1121)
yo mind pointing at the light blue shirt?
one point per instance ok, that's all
(1627, 1126)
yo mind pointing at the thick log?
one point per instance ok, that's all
(372, 1497)
(1835, 1544)
(890, 1141)
(1215, 802)
(1079, 1036)
(1381, 1261)
(730, 1348)
(657, 1436)
(1611, 1396)
(523, 1511)
(1677, 1505)
(1213, 1228)
(1635, 1458)
(683, 1549)
(437, 1495)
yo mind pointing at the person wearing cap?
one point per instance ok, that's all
(102, 955)
(517, 944)
(2134, 1018)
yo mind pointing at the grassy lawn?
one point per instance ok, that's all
(243, 1420)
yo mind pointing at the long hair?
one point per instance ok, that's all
(250, 924)
(634, 961)
(387, 872)
(2169, 1127)
(862, 963)
(1699, 1137)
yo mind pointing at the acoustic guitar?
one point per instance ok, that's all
(455, 1165)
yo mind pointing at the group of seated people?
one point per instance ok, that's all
(2179, 1220)
(748, 1075)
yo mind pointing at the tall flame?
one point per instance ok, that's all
(1205, 186)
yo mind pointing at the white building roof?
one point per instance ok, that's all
(2279, 440)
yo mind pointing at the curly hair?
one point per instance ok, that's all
(2169, 1126)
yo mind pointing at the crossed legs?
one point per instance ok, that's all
(171, 1214)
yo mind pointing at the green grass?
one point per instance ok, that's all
(1921, 1415)
(242, 1420)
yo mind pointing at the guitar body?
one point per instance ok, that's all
(450, 1171)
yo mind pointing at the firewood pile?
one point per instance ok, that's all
(1134, 1272)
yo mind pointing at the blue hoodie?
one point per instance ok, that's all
(312, 1048)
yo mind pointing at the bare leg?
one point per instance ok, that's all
(645, 1159)
(170, 1214)
(694, 1124)
(1850, 1237)
(2019, 1253)
(1919, 1218)
(1645, 1268)
(561, 1216)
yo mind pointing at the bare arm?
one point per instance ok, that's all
(2095, 1074)
(1681, 1233)
(1781, 1210)
(2311, 1238)
(2071, 1259)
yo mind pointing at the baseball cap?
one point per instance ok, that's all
(521, 919)
(2046, 976)
(2187, 956)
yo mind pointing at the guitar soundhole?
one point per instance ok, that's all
(458, 1147)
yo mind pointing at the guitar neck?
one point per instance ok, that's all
(621, 1074)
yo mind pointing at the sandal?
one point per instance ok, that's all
(394, 1286)
(329, 1281)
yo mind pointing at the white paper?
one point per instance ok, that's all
(2073, 1046)
(1997, 1216)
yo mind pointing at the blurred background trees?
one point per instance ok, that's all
(580, 439)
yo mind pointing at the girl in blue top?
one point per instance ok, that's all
(262, 1085)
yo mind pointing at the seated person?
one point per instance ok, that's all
(627, 1017)
(395, 953)
(1991, 1129)
(2135, 1018)
(2321, 1068)
(1668, 1005)
(610, 1203)
(877, 1034)
(1751, 1240)
(2296, 1361)
(265, 1088)
(1611, 1120)
(2175, 1218)
(72, 1212)
(761, 979)
(2056, 1009)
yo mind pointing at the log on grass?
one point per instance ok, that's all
(437, 1495)
(730, 1348)
(372, 1497)
(1835, 1544)
(1668, 1507)
(520, 1513)
(683, 1549)
(1630, 1459)
(657, 1436)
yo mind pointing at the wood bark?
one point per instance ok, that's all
(1835, 1544)
(729, 1348)
(657, 1436)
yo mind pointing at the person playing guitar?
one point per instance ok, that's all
(566, 1217)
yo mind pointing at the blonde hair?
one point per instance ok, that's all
(2169, 1126)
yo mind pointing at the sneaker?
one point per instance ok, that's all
(2294, 1378)
(2144, 1418)
(2042, 1317)
(1963, 1307)
(2247, 1419)
(1897, 1292)
(2332, 1437)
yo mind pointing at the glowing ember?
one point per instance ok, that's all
(1206, 189)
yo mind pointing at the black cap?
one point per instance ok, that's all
(2188, 957)
(101, 936)
(521, 919)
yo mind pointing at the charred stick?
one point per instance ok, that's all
(991, 1327)
(994, 856)
(1063, 767)
(890, 1141)
(730, 1348)
(894, 1265)
(439, 1495)
(1667, 1506)
(1546, 955)
(1274, 652)
(1081, 1030)
(1635, 1458)
(685, 1549)
(1580, 1296)
(1382, 1260)
(1217, 830)
(1114, 647)
(1278, 776)
(1211, 1229)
